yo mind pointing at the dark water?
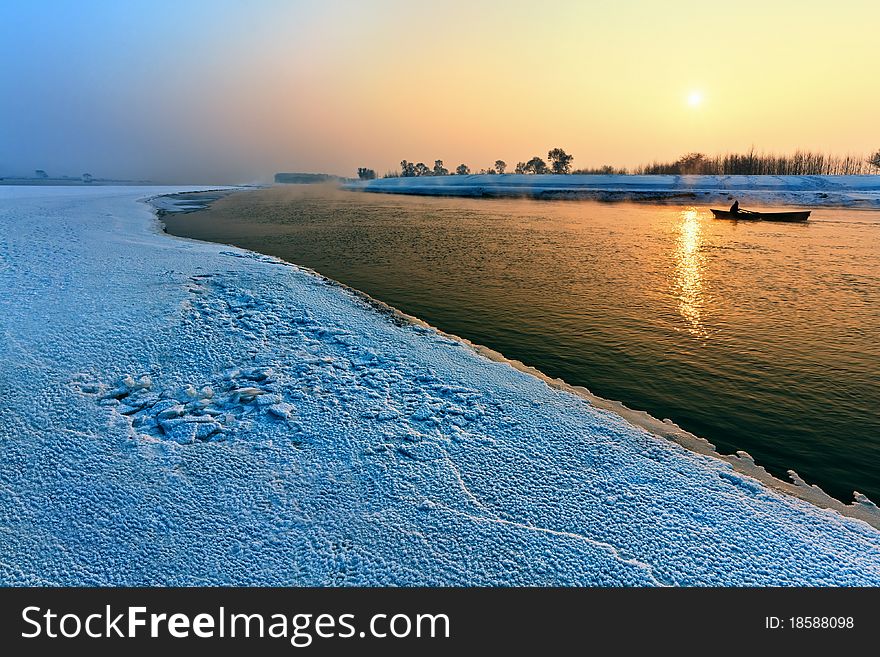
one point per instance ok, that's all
(759, 336)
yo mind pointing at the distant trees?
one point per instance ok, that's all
(534, 166)
(39, 173)
(691, 163)
(799, 163)
(87, 178)
(366, 174)
(410, 170)
(604, 170)
(560, 161)
(537, 166)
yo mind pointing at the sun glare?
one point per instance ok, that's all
(695, 99)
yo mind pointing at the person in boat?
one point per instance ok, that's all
(735, 207)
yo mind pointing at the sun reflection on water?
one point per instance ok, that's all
(688, 273)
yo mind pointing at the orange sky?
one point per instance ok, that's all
(253, 88)
(608, 81)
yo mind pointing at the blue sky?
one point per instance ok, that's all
(117, 88)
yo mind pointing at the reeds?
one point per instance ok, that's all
(800, 163)
(604, 170)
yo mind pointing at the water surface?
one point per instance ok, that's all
(760, 337)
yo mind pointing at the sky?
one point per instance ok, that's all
(223, 91)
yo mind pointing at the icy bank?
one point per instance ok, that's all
(850, 191)
(178, 412)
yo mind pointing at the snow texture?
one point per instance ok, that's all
(811, 191)
(177, 412)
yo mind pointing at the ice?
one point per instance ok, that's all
(808, 191)
(178, 412)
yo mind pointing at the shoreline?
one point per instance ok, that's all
(861, 508)
(813, 191)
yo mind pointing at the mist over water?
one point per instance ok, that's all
(760, 337)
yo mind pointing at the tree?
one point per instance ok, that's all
(421, 169)
(39, 173)
(87, 178)
(560, 161)
(462, 170)
(536, 166)
(407, 169)
(366, 174)
(690, 163)
(874, 160)
(520, 168)
(439, 169)
(500, 166)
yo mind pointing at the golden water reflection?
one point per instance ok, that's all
(688, 273)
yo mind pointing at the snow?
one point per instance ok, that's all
(849, 191)
(178, 412)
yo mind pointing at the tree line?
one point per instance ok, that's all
(559, 163)
(801, 163)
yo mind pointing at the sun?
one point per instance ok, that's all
(695, 98)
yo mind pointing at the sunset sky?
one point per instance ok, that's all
(234, 91)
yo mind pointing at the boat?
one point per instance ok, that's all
(748, 215)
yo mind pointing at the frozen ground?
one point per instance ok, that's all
(177, 412)
(810, 191)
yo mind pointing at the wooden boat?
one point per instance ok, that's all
(748, 215)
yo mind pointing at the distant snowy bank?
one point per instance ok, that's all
(849, 191)
(178, 412)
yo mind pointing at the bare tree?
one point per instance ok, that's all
(691, 163)
(500, 166)
(560, 161)
(874, 160)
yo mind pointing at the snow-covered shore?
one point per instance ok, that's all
(177, 412)
(848, 191)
